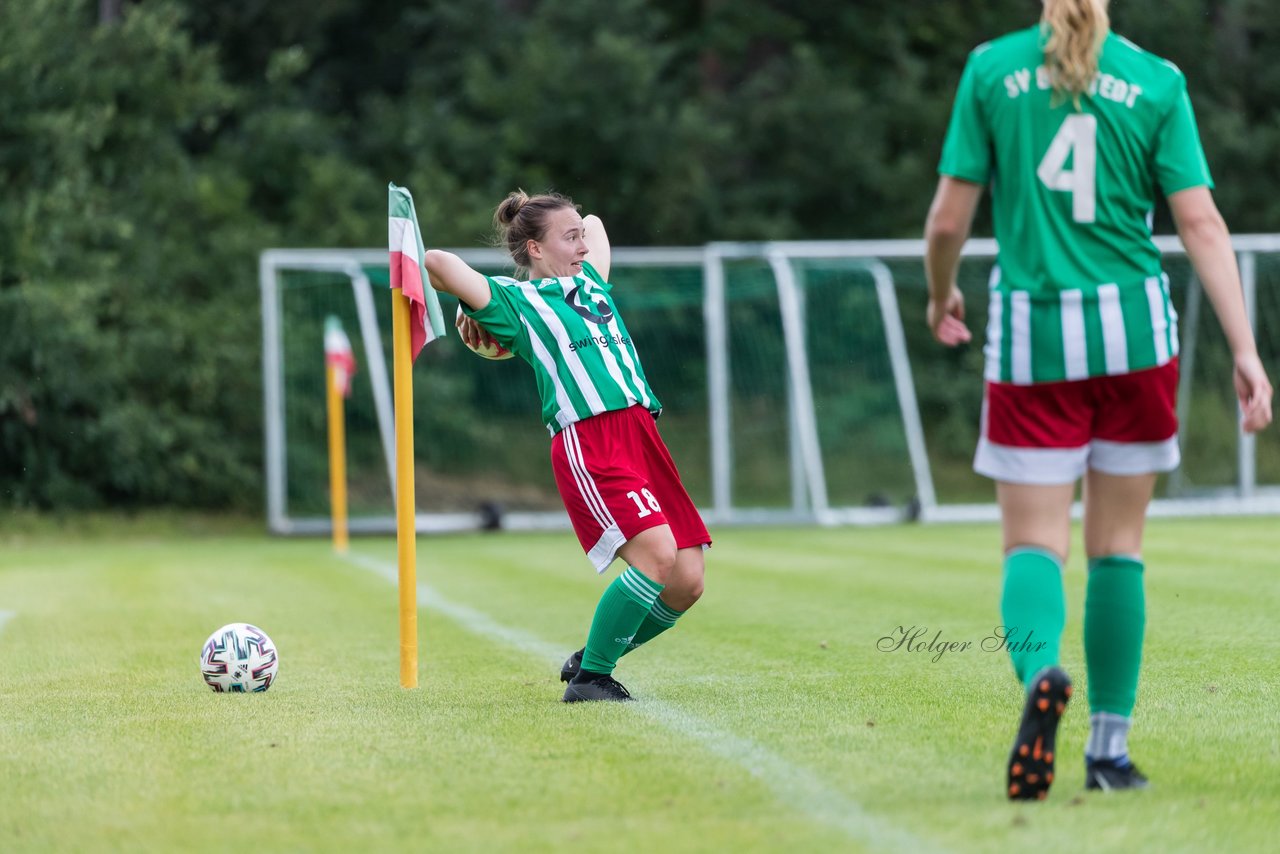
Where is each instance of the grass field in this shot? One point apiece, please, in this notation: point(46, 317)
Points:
point(767, 721)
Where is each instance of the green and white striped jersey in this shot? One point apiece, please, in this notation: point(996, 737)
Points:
point(1079, 291)
point(1078, 333)
point(569, 330)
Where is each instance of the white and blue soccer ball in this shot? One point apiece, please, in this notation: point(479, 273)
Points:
point(239, 658)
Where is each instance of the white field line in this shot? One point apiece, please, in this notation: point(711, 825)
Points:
point(791, 784)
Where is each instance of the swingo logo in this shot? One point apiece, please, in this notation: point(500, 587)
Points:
point(604, 316)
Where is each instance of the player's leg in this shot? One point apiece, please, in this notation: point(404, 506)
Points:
point(1034, 444)
point(681, 592)
point(684, 588)
point(635, 484)
point(1114, 621)
point(654, 565)
point(623, 608)
point(1036, 526)
point(1136, 437)
point(594, 482)
point(1036, 530)
point(685, 585)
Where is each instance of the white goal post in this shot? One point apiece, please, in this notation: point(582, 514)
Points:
point(778, 282)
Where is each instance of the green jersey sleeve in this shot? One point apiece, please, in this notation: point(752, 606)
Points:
point(501, 317)
point(966, 153)
point(1179, 157)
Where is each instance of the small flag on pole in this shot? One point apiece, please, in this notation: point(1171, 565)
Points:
point(338, 355)
point(340, 366)
point(404, 240)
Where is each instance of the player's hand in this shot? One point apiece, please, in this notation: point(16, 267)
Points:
point(1254, 391)
point(946, 319)
point(473, 333)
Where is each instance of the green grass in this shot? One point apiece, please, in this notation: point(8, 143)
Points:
point(768, 720)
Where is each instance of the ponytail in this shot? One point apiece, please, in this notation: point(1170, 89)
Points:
point(1074, 31)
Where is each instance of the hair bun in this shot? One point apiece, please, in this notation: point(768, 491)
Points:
point(511, 206)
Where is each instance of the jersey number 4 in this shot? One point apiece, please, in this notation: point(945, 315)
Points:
point(1077, 139)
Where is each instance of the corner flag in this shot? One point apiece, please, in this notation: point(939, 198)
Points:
point(404, 240)
point(339, 366)
point(338, 355)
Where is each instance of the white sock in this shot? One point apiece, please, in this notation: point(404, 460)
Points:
point(1108, 736)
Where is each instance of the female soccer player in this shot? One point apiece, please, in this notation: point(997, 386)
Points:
point(1075, 128)
point(619, 484)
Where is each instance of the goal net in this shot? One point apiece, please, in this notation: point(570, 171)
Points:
point(799, 381)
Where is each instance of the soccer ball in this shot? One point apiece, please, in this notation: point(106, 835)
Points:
point(494, 352)
point(239, 658)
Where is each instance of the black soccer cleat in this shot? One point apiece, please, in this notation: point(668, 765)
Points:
point(600, 688)
point(1031, 759)
point(572, 665)
point(1106, 776)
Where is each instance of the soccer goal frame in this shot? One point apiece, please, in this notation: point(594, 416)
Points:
point(805, 470)
point(1246, 497)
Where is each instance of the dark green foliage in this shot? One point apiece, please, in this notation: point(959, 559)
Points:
point(127, 354)
point(146, 163)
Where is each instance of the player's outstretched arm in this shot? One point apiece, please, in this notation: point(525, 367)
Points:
point(1208, 244)
point(599, 253)
point(451, 274)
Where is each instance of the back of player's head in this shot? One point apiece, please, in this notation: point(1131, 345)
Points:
point(521, 218)
point(1074, 31)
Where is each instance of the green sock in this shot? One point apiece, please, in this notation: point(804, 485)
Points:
point(1034, 609)
point(1114, 619)
point(660, 618)
point(622, 609)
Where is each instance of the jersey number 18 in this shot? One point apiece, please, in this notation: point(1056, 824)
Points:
point(1078, 139)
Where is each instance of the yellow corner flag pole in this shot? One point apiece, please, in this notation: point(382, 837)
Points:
point(412, 306)
point(337, 460)
point(406, 514)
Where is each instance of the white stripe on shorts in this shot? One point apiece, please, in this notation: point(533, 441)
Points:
point(1041, 466)
point(606, 548)
point(1049, 466)
point(586, 486)
point(611, 538)
point(1128, 458)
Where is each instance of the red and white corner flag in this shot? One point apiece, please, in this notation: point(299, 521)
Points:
point(338, 354)
point(404, 240)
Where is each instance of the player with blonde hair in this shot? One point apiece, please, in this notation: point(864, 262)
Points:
point(1076, 129)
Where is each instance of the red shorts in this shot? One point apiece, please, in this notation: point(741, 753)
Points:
point(1051, 433)
point(617, 479)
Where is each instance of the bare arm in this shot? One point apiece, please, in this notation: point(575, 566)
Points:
point(945, 232)
point(599, 253)
point(1208, 244)
point(451, 274)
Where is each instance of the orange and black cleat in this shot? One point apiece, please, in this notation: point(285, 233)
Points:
point(1031, 760)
